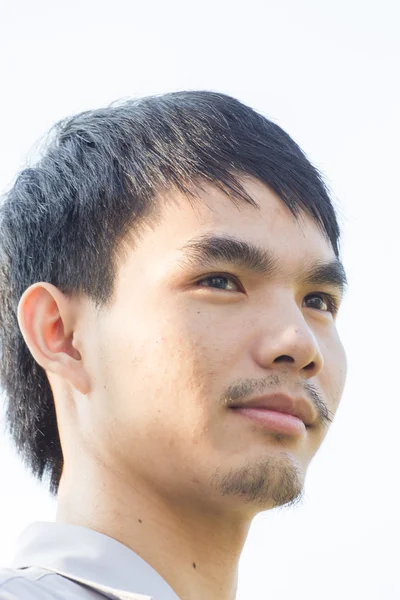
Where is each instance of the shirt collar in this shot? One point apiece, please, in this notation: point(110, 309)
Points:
point(88, 555)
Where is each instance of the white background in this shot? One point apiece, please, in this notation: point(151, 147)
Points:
point(328, 73)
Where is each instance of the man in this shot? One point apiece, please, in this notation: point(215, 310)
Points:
point(170, 285)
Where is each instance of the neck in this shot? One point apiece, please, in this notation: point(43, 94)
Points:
point(195, 551)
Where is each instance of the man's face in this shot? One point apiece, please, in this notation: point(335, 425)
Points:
point(189, 335)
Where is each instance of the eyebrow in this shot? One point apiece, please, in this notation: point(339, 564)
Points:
point(210, 250)
point(330, 273)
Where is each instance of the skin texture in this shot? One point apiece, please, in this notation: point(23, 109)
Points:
point(154, 457)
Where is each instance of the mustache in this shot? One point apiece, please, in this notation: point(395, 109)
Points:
point(245, 388)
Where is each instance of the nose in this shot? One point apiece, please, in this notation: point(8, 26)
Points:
point(287, 342)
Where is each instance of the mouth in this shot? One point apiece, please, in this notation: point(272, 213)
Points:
point(273, 420)
point(279, 413)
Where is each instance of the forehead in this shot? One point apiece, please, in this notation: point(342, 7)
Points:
point(271, 225)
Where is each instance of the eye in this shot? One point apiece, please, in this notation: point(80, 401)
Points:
point(322, 302)
point(221, 282)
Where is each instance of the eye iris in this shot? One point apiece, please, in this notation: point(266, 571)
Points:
point(219, 282)
point(317, 302)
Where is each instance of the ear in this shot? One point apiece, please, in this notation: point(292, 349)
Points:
point(46, 318)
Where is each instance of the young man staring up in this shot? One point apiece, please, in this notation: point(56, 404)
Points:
point(170, 280)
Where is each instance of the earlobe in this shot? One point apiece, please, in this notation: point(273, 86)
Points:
point(46, 319)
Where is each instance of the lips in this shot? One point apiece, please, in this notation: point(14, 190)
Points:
point(282, 403)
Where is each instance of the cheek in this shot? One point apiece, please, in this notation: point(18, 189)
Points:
point(333, 376)
point(168, 362)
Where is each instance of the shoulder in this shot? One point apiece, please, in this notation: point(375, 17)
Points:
point(34, 583)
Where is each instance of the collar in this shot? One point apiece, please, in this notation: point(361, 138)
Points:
point(90, 557)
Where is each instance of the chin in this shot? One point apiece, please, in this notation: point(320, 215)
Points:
point(270, 482)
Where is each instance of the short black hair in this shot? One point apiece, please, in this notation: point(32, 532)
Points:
point(102, 175)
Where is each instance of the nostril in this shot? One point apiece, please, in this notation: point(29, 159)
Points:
point(310, 366)
point(284, 358)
